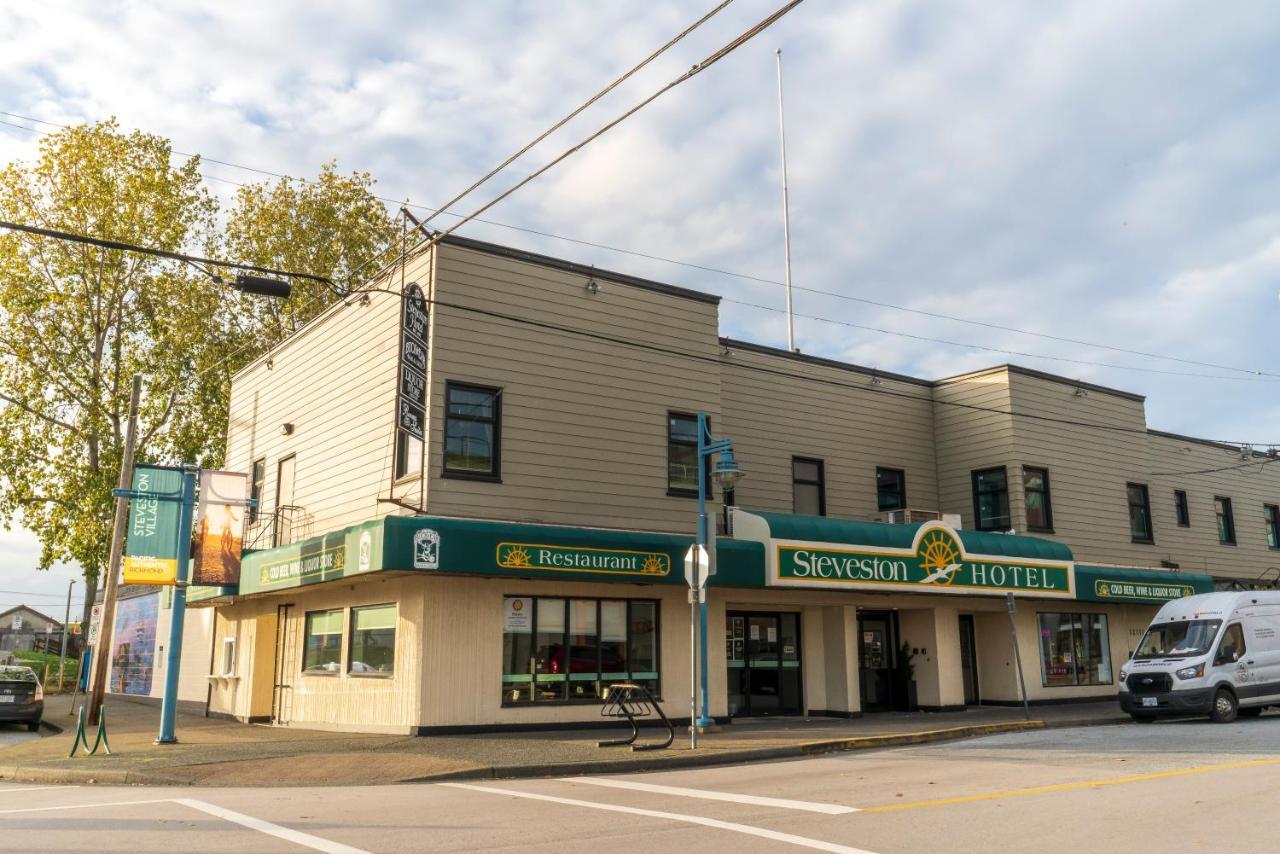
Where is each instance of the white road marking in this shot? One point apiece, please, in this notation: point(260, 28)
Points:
point(802, 841)
point(87, 806)
point(707, 795)
point(288, 834)
point(36, 789)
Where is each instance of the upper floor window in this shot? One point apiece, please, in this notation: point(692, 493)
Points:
point(1139, 513)
point(257, 488)
point(682, 454)
point(1226, 520)
point(808, 487)
point(1271, 513)
point(1035, 489)
point(1181, 508)
point(991, 499)
point(472, 431)
point(891, 489)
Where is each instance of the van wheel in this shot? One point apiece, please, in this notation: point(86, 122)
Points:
point(1143, 719)
point(1225, 707)
point(1251, 712)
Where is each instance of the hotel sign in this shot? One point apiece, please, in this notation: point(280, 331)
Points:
point(526, 556)
point(411, 397)
point(936, 563)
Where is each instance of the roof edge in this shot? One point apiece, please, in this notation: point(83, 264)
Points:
point(822, 361)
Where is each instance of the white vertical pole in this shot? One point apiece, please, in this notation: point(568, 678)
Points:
point(786, 214)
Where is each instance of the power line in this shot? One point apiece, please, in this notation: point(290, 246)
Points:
point(1259, 463)
point(593, 99)
point(989, 349)
point(433, 211)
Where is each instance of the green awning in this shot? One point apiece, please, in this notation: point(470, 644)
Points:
point(1134, 584)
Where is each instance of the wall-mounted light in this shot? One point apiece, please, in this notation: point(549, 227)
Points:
point(592, 287)
point(286, 429)
point(1081, 392)
point(271, 363)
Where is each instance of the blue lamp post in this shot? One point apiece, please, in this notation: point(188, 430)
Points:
point(727, 474)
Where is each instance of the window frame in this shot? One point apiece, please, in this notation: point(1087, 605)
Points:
point(902, 488)
point(495, 474)
point(351, 636)
point(1223, 510)
point(566, 644)
point(974, 476)
point(1272, 524)
point(1218, 660)
point(257, 487)
point(228, 660)
point(1076, 618)
point(820, 483)
point(403, 442)
point(1181, 508)
point(1146, 509)
point(306, 635)
point(677, 492)
point(1046, 496)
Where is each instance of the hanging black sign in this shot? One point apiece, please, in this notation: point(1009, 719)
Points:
point(411, 397)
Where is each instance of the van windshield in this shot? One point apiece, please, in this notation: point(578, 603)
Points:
point(1182, 639)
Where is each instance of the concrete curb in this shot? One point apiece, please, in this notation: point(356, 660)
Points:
point(159, 777)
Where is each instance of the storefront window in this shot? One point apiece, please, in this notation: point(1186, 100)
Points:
point(323, 644)
point(373, 640)
point(1074, 650)
point(573, 649)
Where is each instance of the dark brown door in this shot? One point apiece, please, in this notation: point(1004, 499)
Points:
point(969, 660)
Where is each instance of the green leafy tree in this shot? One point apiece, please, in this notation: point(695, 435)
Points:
point(77, 322)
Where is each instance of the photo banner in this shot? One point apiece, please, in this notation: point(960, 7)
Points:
point(219, 531)
point(151, 542)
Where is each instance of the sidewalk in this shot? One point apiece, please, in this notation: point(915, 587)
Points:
point(214, 752)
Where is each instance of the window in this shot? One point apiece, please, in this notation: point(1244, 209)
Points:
point(322, 651)
point(472, 431)
point(408, 455)
point(257, 488)
point(228, 657)
point(682, 454)
point(808, 487)
point(1074, 650)
point(1139, 513)
point(1226, 520)
point(373, 640)
point(991, 499)
point(891, 489)
point(1035, 490)
point(1271, 513)
point(1181, 508)
point(558, 650)
point(1231, 647)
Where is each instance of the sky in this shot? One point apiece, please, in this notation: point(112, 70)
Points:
point(1096, 171)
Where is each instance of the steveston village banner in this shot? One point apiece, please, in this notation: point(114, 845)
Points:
point(937, 562)
point(220, 529)
point(151, 541)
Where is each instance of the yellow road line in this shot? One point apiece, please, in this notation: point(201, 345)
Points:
point(1064, 787)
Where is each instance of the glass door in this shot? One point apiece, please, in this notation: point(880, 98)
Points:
point(875, 648)
point(763, 656)
point(969, 659)
point(764, 682)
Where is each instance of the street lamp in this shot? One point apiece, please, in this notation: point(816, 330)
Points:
point(727, 474)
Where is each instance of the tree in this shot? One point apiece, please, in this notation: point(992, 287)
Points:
point(77, 322)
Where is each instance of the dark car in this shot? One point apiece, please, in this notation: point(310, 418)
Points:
point(21, 696)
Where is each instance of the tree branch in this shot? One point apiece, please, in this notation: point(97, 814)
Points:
point(49, 419)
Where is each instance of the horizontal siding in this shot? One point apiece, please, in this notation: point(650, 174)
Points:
point(970, 438)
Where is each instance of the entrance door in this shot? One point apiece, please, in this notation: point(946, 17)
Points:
point(287, 666)
point(877, 648)
point(969, 660)
point(763, 653)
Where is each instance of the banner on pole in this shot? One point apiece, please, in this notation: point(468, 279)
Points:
point(220, 529)
point(151, 544)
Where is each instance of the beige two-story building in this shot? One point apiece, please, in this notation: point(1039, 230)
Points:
point(477, 480)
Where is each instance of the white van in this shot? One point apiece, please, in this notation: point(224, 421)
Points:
point(1214, 653)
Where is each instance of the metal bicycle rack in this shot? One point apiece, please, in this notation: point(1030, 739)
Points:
point(631, 701)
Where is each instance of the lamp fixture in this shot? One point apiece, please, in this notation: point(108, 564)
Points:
point(592, 286)
point(286, 429)
point(1081, 392)
point(726, 471)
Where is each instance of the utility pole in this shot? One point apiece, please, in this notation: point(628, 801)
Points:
point(786, 210)
point(169, 702)
point(62, 651)
point(102, 654)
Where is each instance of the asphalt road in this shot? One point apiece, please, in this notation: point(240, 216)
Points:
point(11, 734)
point(1187, 786)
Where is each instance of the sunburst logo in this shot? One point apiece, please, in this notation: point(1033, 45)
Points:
point(939, 556)
point(654, 565)
point(516, 556)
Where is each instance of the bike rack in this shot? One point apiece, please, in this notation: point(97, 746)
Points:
point(631, 701)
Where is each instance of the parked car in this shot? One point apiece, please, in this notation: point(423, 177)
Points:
point(1215, 653)
point(21, 696)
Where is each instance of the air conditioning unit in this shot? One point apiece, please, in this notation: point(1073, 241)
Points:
point(908, 516)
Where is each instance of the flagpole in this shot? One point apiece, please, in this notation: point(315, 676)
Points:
point(786, 210)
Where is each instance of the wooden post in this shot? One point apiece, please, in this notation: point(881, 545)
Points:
point(102, 652)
